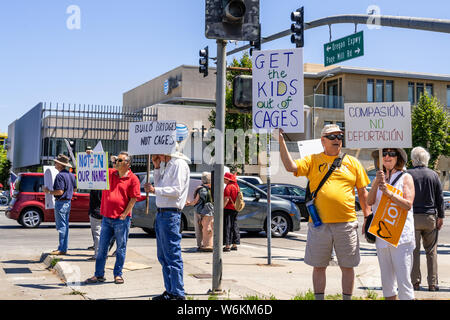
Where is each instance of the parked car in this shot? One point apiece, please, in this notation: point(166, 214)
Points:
point(255, 180)
point(289, 192)
point(446, 195)
point(28, 203)
point(285, 214)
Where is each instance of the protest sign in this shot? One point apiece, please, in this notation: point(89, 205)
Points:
point(389, 219)
point(152, 137)
point(92, 171)
point(50, 173)
point(277, 90)
point(307, 147)
point(378, 125)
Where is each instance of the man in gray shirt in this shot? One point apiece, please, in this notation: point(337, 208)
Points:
point(428, 203)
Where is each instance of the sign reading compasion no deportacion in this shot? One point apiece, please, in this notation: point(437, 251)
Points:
point(378, 125)
point(277, 90)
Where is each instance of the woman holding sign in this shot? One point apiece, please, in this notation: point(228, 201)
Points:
point(393, 220)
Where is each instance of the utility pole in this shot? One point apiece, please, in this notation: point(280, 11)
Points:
point(218, 166)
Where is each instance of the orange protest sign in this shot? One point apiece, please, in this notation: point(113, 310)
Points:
point(389, 219)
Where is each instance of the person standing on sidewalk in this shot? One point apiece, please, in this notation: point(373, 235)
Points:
point(116, 206)
point(171, 190)
point(428, 203)
point(63, 188)
point(204, 214)
point(395, 262)
point(335, 203)
point(231, 233)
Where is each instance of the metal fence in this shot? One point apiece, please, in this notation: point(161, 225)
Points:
point(85, 125)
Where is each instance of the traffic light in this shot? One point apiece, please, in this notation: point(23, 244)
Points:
point(242, 92)
point(297, 28)
point(232, 19)
point(256, 44)
point(203, 61)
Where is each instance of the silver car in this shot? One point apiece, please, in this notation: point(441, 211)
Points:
point(285, 214)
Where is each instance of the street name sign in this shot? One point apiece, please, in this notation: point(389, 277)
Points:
point(343, 49)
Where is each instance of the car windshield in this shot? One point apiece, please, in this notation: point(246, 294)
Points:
point(246, 190)
point(297, 191)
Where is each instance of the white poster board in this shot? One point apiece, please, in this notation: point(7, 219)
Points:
point(307, 147)
point(152, 137)
point(92, 171)
point(378, 125)
point(50, 173)
point(277, 90)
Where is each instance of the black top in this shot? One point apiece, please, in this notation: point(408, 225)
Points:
point(95, 200)
point(428, 189)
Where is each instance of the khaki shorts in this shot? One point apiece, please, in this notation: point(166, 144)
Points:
point(343, 236)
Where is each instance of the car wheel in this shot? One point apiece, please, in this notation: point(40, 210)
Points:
point(280, 225)
point(3, 201)
point(30, 218)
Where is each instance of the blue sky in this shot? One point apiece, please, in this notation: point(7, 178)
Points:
point(122, 44)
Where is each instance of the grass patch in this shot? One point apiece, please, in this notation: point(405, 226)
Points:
point(54, 262)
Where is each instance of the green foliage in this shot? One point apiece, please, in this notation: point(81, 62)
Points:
point(431, 127)
point(5, 166)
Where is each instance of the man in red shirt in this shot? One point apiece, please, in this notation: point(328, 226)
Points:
point(231, 228)
point(116, 206)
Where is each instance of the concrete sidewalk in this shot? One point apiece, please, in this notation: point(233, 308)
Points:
point(245, 274)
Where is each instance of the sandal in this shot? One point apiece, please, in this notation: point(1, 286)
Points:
point(118, 280)
point(95, 279)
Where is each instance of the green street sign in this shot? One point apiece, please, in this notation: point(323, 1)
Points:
point(343, 49)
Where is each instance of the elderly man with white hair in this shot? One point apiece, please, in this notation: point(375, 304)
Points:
point(428, 209)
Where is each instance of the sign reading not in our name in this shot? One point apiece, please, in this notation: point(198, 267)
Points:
point(378, 125)
point(152, 137)
point(346, 48)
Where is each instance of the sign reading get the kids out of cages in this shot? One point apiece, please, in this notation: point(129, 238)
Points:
point(277, 90)
point(378, 125)
point(92, 171)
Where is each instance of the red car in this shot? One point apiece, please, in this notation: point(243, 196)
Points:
point(28, 203)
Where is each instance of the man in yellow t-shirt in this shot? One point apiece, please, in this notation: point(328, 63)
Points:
point(335, 203)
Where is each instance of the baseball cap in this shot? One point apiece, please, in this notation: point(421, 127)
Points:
point(330, 128)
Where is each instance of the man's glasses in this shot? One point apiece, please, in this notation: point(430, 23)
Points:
point(118, 160)
point(390, 153)
point(335, 136)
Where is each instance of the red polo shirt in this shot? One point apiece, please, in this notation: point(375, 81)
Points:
point(121, 190)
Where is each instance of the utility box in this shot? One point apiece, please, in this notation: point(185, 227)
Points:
point(232, 20)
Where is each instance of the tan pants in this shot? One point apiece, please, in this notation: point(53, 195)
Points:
point(425, 229)
point(204, 230)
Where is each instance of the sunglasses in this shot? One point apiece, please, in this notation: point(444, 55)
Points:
point(334, 136)
point(390, 153)
point(119, 160)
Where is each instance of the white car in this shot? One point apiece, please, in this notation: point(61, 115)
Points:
point(446, 200)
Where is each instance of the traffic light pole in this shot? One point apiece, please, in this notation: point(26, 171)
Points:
point(218, 166)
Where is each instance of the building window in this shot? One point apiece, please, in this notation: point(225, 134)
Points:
point(326, 122)
point(429, 88)
point(389, 90)
point(411, 96)
point(419, 90)
point(370, 95)
point(448, 96)
point(341, 125)
point(380, 91)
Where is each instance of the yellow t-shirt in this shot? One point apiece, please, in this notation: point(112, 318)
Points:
point(336, 199)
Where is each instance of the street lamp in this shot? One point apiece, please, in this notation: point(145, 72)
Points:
point(314, 102)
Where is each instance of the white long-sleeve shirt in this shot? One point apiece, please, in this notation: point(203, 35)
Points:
point(172, 186)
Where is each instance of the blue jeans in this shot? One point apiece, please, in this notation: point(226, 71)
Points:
point(62, 213)
point(112, 228)
point(168, 242)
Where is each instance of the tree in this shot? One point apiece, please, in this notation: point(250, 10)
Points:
point(235, 120)
point(431, 128)
point(5, 166)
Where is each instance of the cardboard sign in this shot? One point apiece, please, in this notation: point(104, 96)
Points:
point(50, 173)
point(152, 137)
point(307, 147)
point(277, 90)
point(389, 219)
point(378, 125)
point(92, 171)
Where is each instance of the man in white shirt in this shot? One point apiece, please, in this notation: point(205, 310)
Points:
point(171, 190)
